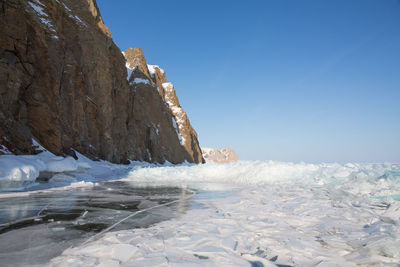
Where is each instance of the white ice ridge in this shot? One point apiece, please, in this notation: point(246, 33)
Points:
point(279, 213)
point(177, 111)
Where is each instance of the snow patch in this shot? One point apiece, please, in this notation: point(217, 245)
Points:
point(17, 170)
point(20, 170)
point(37, 145)
point(152, 69)
point(177, 131)
point(168, 86)
point(37, 6)
point(140, 80)
point(177, 111)
point(71, 15)
point(4, 150)
point(136, 80)
point(62, 165)
point(129, 71)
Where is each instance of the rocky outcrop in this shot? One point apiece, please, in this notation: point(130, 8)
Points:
point(219, 155)
point(64, 83)
point(152, 78)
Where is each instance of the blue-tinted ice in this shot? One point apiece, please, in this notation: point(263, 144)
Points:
point(37, 226)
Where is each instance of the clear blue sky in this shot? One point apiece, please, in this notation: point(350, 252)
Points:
point(290, 80)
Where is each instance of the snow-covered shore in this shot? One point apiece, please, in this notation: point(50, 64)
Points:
point(20, 172)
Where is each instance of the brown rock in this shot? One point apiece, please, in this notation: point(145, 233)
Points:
point(135, 59)
point(63, 82)
point(219, 155)
point(156, 82)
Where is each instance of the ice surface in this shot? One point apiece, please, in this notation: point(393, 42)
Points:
point(246, 212)
point(269, 213)
point(37, 227)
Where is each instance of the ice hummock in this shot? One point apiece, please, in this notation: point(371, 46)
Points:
point(17, 171)
point(21, 172)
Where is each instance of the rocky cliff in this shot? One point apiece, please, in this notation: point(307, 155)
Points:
point(153, 76)
point(63, 82)
point(152, 80)
point(219, 155)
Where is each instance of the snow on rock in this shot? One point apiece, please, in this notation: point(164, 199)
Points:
point(137, 80)
point(37, 145)
point(140, 80)
point(129, 70)
point(169, 87)
point(4, 150)
point(152, 69)
point(73, 16)
point(38, 7)
point(177, 131)
point(187, 136)
point(177, 112)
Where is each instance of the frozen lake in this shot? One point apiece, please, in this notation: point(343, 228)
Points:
point(248, 213)
point(37, 226)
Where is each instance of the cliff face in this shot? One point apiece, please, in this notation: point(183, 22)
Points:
point(63, 82)
point(219, 155)
point(153, 76)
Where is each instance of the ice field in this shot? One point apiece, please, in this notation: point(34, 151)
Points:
point(248, 213)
